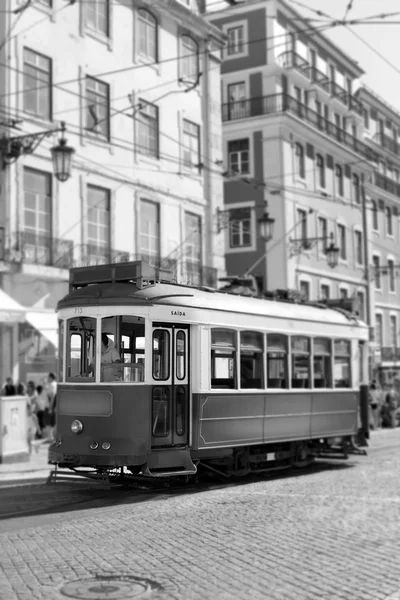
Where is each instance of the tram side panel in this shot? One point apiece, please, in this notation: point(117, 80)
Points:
point(115, 415)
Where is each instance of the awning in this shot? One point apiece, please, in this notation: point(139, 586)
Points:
point(10, 310)
point(45, 321)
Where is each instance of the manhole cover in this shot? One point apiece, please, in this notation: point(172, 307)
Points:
point(108, 588)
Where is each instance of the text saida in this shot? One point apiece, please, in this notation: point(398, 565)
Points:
point(178, 313)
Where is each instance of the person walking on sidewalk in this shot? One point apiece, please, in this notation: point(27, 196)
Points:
point(391, 401)
point(374, 405)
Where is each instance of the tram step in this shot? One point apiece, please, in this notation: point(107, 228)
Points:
point(169, 463)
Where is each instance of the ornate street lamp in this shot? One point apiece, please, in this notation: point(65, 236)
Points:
point(266, 227)
point(62, 158)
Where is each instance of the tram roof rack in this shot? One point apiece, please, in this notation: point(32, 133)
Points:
point(138, 272)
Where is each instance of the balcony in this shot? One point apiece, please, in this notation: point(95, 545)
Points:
point(319, 78)
point(283, 103)
point(390, 353)
point(291, 60)
point(339, 92)
point(386, 142)
point(386, 184)
point(32, 248)
point(355, 105)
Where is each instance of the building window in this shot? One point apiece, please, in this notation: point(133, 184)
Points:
point(150, 232)
point(189, 58)
point(378, 330)
point(98, 219)
point(323, 233)
point(37, 237)
point(147, 26)
point(37, 84)
point(339, 180)
point(299, 161)
point(235, 40)
point(343, 294)
point(391, 274)
point(325, 292)
point(356, 189)
point(191, 145)
point(236, 93)
point(238, 157)
point(97, 16)
point(377, 271)
point(375, 221)
point(366, 118)
point(193, 249)
point(389, 222)
point(98, 107)
point(393, 331)
point(240, 228)
point(148, 129)
point(320, 171)
point(359, 247)
point(342, 242)
point(360, 302)
point(305, 290)
point(302, 226)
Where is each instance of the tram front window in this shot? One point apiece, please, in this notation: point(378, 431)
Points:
point(122, 349)
point(81, 349)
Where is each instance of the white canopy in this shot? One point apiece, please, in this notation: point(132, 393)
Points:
point(45, 321)
point(10, 310)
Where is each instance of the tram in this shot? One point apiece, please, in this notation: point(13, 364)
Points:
point(160, 379)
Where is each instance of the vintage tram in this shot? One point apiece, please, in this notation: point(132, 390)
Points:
point(157, 378)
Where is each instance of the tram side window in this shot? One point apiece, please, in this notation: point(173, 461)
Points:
point(322, 363)
point(223, 359)
point(300, 362)
point(251, 360)
point(61, 351)
point(342, 366)
point(161, 354)
point(122, 349)
point(277, 361)
point(81, 349)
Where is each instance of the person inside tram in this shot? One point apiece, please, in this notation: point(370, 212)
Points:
point(109, 356)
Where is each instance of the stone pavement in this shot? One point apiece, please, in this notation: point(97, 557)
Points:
point(35, 470)
point(331, 532)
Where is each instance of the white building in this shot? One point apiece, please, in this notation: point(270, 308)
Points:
point(138, 86)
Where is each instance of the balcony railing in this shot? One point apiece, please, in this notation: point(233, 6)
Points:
point(390, 353)
point(91, 255)
point(283, 103)
point(291, 60)
point(30, 247)
point(355, 105)
point(2, 244)
point(386, 142)
point(320, 79)
point(196, 274)
point(339, 92)
point(386, 184)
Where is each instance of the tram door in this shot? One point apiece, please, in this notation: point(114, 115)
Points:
point(170, 385)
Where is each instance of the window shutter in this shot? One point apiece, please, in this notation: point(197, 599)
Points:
point(374, 114)
point(310, 151)
point(347, 171)
point(381, 205)
point(329, 161)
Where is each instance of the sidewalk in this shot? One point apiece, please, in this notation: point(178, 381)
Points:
point(36, 470)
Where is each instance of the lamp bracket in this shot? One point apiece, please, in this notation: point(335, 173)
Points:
point(14, 147)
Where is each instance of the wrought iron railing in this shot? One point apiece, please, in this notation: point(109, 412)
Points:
point(284, 103)
point(386, 184)
point(386, 142)
point(291, 60)
point(320, 79)
point(196, 274)
point(339, 92)
point(33, 248)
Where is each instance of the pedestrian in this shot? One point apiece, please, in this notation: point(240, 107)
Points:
point(391, 402)
point(32, 427)
point(8, 388)
point(374, 405)
point(42, 409)
point(20, 389)
point(52, 396)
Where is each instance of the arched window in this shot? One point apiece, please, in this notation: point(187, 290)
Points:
point(189, 58)
point(147, 34)
point(375, 221)
point(389, 222)
point(339, 180)
point(320, 171)
point(356, 189)
point(299, 158)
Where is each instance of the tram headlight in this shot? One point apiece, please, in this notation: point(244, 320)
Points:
point(76, 426)
point(106, 445)
point(94, 445)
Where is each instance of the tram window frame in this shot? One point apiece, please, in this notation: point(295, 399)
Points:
point(167, 360)
point(322, 362)
point(297, 357)
point(76, 326)
point(339, 359)
point(251, 344)
point(164, 402)
point(125, 370)
point(180, 365)
point(277, 357)
point(222, 348)
point(61, 338)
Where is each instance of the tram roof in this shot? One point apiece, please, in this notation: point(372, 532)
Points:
point(128, 294)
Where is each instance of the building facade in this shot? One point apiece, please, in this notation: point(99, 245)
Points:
point(293, 145)
point(381, 133)
point(138, 86)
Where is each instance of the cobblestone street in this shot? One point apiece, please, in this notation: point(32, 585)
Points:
point(331, 532)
